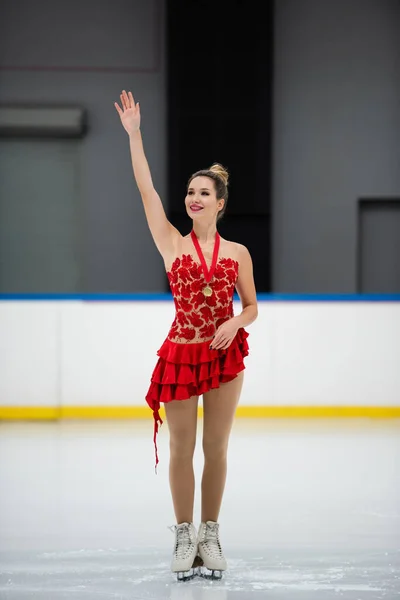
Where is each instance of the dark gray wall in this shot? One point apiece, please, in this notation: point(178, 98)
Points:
point(336, 127)
point(70, 52)
point(336, 134)
point(379, 243)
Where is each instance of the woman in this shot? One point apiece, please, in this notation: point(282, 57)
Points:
point(204, 350)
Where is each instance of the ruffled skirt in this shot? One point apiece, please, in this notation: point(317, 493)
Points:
point(186, 370)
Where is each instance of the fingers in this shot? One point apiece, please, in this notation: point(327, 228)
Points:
point(216, 342)
point(124, 100)
point(127, 101)
point(226, 345)
point(131, 99)
point(220, 344)
point(213, 344)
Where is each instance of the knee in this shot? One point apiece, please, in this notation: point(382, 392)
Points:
point(214, 449)
point(182, 447)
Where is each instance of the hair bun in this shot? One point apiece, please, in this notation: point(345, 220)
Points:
point(221, 172)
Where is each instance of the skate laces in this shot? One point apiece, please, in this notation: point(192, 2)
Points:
point(183, 543)
point(211, 538)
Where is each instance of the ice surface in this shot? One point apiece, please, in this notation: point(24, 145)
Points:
point(311, 511)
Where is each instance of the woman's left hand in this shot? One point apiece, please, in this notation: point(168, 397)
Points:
point(224, 335)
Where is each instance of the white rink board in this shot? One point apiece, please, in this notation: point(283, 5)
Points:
point(80, 353)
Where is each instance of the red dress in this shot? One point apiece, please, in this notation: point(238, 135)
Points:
point(186, 366)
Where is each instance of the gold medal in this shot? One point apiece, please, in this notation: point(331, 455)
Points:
point(207, 291)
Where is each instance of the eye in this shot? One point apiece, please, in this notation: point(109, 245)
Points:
point(205, 193)
point(190, 193)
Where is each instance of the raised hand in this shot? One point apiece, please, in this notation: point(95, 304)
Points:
point(129, 113)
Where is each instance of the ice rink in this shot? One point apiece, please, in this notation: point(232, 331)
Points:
point(311, 511)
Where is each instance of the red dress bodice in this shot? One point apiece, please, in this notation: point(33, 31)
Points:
point(198, 316)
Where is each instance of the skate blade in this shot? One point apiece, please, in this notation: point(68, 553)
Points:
point(214, 574)
point(193, 572)
point(186, 575)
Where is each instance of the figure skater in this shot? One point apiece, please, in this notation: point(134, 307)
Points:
point(204, 349)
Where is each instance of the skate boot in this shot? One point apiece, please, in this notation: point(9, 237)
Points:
point(210, 551)
point(185, 551)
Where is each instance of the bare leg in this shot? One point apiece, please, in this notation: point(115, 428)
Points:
point(182, 425)
point(219, 412)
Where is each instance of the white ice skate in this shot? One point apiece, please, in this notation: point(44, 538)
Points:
point(185, 551)
point(210, 551)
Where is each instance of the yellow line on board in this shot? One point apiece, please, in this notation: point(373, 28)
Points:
point(143, 412)
point(318, 411)
point(106, 412)
point(34, 413)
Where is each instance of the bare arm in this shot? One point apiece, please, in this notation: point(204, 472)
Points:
point(164, 233)
point(246, 289)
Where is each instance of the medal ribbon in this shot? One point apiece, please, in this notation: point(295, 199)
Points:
point(207, 273)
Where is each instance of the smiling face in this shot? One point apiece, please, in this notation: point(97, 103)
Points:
point(201, 200)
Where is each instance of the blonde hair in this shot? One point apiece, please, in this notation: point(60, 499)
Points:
point(220, 177)
point(220, 171)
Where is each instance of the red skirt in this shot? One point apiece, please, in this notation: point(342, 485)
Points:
point(186, 370)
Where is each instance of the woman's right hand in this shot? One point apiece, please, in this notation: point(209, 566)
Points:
point(130, 112)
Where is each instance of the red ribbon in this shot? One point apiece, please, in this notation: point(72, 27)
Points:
point(207, 273)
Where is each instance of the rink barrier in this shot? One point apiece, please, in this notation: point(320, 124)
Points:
point(311, 355)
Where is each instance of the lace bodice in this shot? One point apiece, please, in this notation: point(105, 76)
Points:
point(198, 316)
